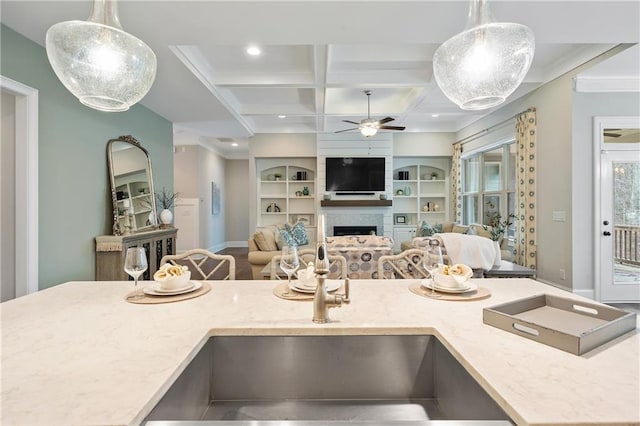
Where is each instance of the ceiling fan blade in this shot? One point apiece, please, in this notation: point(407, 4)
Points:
point(612, 135)
point(392, 127)
point(346, 130)
point(351, 122)
point(386, 120)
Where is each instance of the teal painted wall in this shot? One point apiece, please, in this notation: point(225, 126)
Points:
point(74, 194)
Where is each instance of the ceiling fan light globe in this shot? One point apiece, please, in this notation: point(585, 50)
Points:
point(105, 67)
point(480, 67)
point(368, 131)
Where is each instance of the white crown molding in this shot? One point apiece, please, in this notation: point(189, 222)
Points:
point(606, 84)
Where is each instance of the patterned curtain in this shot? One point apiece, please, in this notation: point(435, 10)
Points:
point(525, 252)
point(456, 183)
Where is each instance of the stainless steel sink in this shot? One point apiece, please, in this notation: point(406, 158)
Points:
point(298, 380)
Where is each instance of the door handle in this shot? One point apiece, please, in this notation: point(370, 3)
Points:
point(606, 233)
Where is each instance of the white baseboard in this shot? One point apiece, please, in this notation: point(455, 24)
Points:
point(237, 243)
point(217, 247)
point(589, 294)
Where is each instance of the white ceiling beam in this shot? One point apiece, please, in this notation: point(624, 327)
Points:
point(193, 59)
point(321, 60)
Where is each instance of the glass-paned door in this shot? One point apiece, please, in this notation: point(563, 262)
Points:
point(620, 227)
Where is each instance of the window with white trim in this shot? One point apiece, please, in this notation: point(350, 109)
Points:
point(489, 184)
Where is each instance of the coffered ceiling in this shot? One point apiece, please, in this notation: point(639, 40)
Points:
point(318, 57)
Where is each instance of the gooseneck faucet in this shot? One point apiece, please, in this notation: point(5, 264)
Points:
point(322, 300)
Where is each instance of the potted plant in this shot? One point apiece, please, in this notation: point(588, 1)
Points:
point(434, 175)
point(165, 200)
point(497, 224)
point(277, 176)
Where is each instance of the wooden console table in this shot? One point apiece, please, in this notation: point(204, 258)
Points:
point(111, 251)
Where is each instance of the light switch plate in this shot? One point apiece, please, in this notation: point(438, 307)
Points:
point(559, 216)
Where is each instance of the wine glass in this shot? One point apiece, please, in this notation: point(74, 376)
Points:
point(289, 262)
point(431, 261)
point(135, 263)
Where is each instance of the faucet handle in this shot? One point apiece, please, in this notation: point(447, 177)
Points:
point(346, 299)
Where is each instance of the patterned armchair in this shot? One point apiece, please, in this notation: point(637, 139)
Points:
point(361, 253)
point(404, 265)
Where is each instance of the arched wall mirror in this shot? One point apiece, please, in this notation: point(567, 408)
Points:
point(132, 190)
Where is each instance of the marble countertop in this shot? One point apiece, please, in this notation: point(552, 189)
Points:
point(78, 353)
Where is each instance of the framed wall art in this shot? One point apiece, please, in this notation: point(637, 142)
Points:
point(215, 198)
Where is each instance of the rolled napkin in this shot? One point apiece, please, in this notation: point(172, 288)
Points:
point(171, 277)
point(307, 276)
point(453, 276)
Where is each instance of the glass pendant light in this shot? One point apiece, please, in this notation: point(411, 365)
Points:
point(481, 66)
point(98, 62)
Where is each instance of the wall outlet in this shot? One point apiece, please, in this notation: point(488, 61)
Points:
point(563, 276)
point(559, 216)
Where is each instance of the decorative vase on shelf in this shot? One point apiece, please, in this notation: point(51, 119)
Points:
point(407, 190)
point(166, 217)
point(305, 191)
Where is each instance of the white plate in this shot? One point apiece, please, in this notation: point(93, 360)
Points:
point(428, 283)
point(332, 285)
point(155, 290)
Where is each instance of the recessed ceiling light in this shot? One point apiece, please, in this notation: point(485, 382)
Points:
point(282, 116)
point(253, 50)
point(435, 115)
point(234, 144)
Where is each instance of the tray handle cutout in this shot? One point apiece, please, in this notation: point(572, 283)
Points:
point(525, 329)
point(585, 309)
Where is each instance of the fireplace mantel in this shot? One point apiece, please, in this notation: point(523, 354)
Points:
point(355, 203)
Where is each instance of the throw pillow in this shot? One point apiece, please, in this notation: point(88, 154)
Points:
point(298, 233)
point(483, 232)
point(424, 229)
point(472, 231)
point(288, 238)
point(265, 240)
point(294, 235)
point(459, 229)
point(280, 242)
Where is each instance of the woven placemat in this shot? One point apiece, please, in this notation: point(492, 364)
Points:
point(283, 291)
point(480, 293)
point(149, 299)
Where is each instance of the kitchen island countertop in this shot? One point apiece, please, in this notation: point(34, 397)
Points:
point(78, 353)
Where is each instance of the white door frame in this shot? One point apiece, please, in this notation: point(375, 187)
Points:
point(599, 124)
point(26, 182)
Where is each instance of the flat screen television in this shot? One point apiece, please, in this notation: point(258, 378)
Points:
point(355, 174)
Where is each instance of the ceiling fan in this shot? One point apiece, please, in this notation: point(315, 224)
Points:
point(369, 126)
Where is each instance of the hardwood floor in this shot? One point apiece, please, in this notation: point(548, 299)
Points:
point(243, 269)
